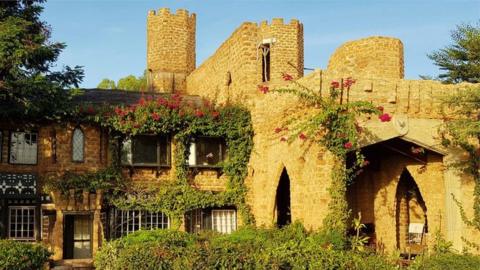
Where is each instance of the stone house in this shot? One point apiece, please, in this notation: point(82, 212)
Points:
point(402, 194)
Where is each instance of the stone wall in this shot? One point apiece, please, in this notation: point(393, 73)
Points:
point(234, 71)
point(377, 65)
point(372, 57)
point(170, 49)
point(95, 154)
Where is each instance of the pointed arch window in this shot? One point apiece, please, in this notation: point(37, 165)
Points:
point(78, 143)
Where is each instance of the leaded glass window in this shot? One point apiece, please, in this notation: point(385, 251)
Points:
point(219, 220)
point(128, 221)
point(78, 141)
point(23, 148)
point(21, 222)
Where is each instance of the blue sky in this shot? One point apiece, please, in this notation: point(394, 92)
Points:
point(108, 37)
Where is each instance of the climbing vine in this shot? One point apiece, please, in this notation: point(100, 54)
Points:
point(332, 123)
point(462, 129)
point(183, 120)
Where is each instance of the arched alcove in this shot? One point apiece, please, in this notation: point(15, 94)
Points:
point(410, 209)
point(282, 200)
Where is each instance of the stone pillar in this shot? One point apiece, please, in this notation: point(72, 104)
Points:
point(58, 236)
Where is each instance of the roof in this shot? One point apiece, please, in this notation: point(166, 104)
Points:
point(121, 97)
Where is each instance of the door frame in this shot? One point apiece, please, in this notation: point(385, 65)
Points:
point(77, 213)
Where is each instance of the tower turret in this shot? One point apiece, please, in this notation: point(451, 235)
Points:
point(170, 49)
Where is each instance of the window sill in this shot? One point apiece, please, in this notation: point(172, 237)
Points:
point(166, 166)
point(205, 166)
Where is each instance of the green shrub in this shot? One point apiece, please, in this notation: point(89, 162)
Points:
point(447, 261)
point(248, 248)
point(22, 256)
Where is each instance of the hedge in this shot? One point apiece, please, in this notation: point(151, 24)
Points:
point(16, 255)
point(248, 248)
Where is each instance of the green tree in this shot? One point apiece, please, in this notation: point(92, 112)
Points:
point(130, 82)
point(107, 84)
point(461, 60)
point(28, 86)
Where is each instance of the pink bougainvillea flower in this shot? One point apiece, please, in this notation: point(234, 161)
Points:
point(199, 113)
point(278, 130)
point(302, 136)
point(283, 139)
point(365, 163)
point(380, 108)
point(141, 101)
point(385, 117)
point(348, 145)
point(263, 88)
point(287, 77)
point(215, 114)
point(136, 125)
point(161, 101)
point(155, 116)
point(335, 84)
point(348, 82)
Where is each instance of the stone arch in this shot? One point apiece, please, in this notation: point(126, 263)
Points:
point(282, 204)
point(410, 207)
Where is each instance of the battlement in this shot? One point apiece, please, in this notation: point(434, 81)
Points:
point(279, 21)
point(170, 49)
point(165, 12)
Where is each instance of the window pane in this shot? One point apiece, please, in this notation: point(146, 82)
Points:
point(22, 222)
point(145, 149)
point(194, 221)
point(209, 151)
point(224, 221)
point(23, 148)
point(163, 150)
point(128, 221)
point(77, 145)
point(126, 151)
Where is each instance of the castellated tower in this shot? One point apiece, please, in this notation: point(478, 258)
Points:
point(170, 49)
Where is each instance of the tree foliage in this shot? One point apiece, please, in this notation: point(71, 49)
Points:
point(28, 85)
point(460, 60)
point(130, 82)
point(463, 130)
point(107, 84)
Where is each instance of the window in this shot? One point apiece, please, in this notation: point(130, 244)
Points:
point(219, 220)
point(21, 221)
point(78, 141)
point(23, 148)
point(128, 221)
point(146, 150)
point(265, 62)
point(205, 151)
point(1, 144)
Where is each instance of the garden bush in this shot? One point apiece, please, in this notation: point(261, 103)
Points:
point(248, 248)
point(16, 255)
point(289, 248)
point(447, 261)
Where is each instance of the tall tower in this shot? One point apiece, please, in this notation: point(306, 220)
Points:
point(170, 49)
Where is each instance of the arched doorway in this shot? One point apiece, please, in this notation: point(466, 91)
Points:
point(282, 201)
point(411, 213)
